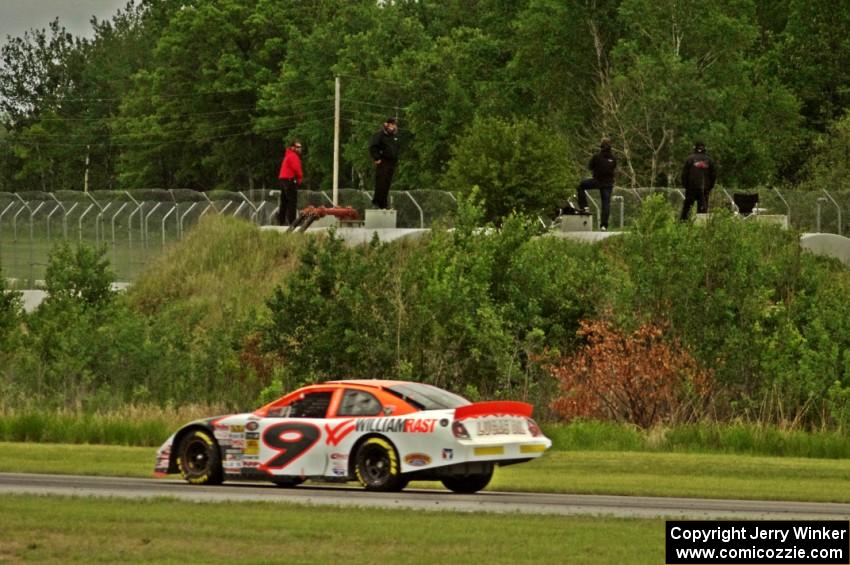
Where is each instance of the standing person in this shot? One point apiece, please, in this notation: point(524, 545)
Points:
point(603, 166)
point(698, 176)
point(290, 178)
point(383, 148)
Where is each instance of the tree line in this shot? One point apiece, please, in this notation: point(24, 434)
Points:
point(509, 96)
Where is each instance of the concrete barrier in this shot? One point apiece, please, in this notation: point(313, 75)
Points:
point(828, 244)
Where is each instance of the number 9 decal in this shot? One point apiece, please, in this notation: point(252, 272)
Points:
point(291, 440)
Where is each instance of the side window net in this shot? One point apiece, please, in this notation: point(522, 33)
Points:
point(359, 403)
point(312, 405)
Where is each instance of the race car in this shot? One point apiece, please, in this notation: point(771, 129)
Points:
point(382, 433)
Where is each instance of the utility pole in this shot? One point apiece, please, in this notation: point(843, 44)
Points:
point(336, 144)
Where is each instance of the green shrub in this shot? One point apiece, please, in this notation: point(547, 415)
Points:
point(519, 166)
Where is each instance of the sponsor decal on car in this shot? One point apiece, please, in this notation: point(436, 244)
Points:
point(252, 425)
point(339, 472)
point(238, 428)
point(403, 425)
point(237, 443)
point(338, 432)
point(290, 440)
point(252, 435)
point(339, 456)
point(448, 454)
point(417, 459)
point(252, 447)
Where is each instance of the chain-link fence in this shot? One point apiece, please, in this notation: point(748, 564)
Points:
point(136, 225)
point(807, 211)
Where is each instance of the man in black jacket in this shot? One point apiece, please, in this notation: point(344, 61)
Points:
point(603, 165)
point(698, 177)
point(383, 148)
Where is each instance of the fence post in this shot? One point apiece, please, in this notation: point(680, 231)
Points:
point(817, 215)
point(25, 206)
point(112, 222)
point(838, 208)
point(182, 216)
point(165, 217)
point(64, 217)
point(50, 215)
point(80, 223)
point(145, 225)
point(32, 237)
point(622, 210)
point(421, 213)
point(96, 218)
point(130, 219)
point(787, 207)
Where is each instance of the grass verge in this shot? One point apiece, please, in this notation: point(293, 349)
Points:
point(150, 426)
point(621, 473)
point(86, 529)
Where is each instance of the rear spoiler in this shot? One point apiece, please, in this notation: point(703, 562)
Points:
point(494, 408)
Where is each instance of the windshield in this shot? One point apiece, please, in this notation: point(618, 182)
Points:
point(427, 397)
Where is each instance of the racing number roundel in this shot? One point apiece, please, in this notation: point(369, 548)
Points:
point(291, 440)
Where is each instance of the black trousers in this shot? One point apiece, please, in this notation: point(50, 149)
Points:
point(383, 178)
point(604, 192)
point(695, 195)
point(288, 202)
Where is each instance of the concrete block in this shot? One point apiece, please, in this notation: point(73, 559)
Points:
point(380, 219)
point(781, 219)
point(578, 222)
point(326, 222)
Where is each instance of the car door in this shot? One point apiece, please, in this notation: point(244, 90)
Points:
point(290, 437)
point(341, 427)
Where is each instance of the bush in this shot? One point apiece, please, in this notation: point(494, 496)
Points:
point(518, 165)
point(640, 379)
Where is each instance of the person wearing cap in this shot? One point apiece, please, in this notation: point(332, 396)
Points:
point(603, 166)
point(290, 177)
point(698, 177)
point(383, 148)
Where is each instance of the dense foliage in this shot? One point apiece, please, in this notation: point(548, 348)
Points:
point(667, 323)
point(203, 95)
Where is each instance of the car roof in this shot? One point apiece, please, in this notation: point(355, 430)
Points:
point(377, 383)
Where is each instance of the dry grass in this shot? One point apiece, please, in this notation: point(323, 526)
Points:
point(224, 266)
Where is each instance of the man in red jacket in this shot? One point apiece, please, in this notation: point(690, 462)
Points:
point(290, 178)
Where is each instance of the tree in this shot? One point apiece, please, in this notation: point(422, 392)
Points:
point(681, 72)
point(517, 165)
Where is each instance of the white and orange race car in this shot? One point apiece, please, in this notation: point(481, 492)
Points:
point(382, 433)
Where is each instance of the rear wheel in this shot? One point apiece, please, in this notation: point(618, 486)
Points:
point(468, 484)
point(377, 467)
point(199, 459)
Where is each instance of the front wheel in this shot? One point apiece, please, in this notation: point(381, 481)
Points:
point(468, 484)
point(377, 467)
point(199, 459)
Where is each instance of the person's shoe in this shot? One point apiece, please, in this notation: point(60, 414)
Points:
point(604, 228)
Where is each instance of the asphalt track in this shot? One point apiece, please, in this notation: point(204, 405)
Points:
point(421, 499)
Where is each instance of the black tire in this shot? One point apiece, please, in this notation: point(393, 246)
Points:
point(377, 466)
point(287, 482)
point(199, 459)
point(467, 484)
